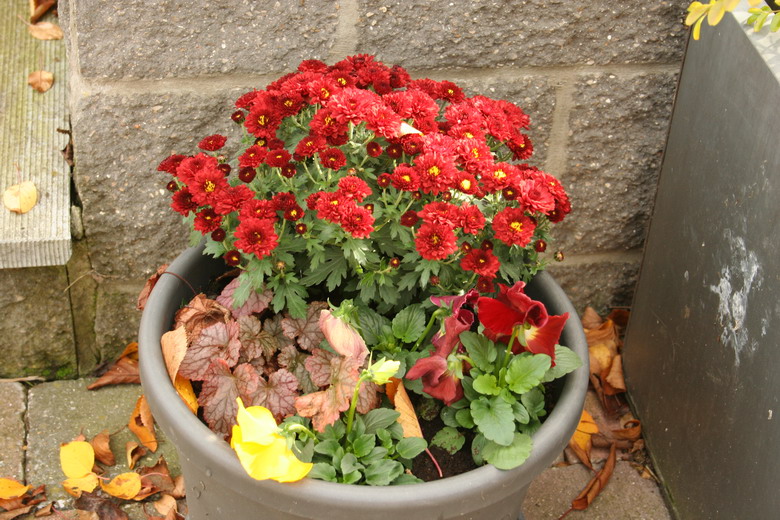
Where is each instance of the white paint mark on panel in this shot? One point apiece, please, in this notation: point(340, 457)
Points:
point(737, 279)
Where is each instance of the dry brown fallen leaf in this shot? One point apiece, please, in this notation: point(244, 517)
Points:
point(596, 484)
point(103, 453)
point(45, 31)
point(174, 348)
point(21, 198)
point(40, 80)
point(38, 8)
point(148, 286)
point(142, 424)
point(581, 442)
point(134, 452)
point(123, 370)
point(403, 405)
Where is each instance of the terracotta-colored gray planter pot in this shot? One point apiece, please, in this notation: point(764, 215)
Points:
point(218, 487)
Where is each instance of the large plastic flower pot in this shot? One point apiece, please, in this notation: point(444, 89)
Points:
point(219, 488)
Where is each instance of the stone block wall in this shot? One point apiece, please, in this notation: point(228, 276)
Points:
point(151, 79)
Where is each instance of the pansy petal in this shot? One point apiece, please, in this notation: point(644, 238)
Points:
point(256, 422)
point(498, 317)
point(542, 340)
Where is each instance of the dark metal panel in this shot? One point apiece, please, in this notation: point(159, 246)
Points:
point(702, 351)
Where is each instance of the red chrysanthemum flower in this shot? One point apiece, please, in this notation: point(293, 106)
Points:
point(521, 147)
point(191, 166)
point(212, 143)
point(466, 183)
point(410, 218)
point(405, 178)
point(301, 229)
point(232, 258)
point(252, 157)
point(263, 119)
point(332, 158)
point(207, 220)
point(435, 241)
point(277, 158)
point(412, 144)
point(354, 187)
point(172, 186)
point(484, 263)
point(232, 199)
point(218, 235)
point(374, 149)
point(534, 196)
point(474, 154)
point(440, 213)
point(323, 123)
point(238, 116)
point(311, 200)
point(171, 163)
point(383, 120)
point(310, 145)
point(513, 227)
point(294, 213)
point(262, 209)
point(284, 200)
point(399, 78)
point(394, 150)
point(485, 285)
point(351, 105)
point(330, 205)
point(384, 180)
point(208, 186)
point(437, 172)
point(449, 91)
point(356, 220)
point(256, 236)
point(289, 170)
point(247, 174)
point(182, 202)
point(471, 219)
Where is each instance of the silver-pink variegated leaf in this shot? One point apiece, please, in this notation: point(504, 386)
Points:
point(219, 341)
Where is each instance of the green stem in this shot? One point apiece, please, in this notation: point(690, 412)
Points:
point(353, 405)
point(508, 351)
point(428, 327)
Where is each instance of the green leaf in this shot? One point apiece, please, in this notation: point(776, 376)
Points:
point(405, 479)
point(533, 401)
point(323, 471)
point(480, 349)
point(244, 289)
point(477, 449)
point(363, 445)
point(409, 324)
point(382, 472)
point(520, 413)
point(352, 477)
point(566, 360)
point(486, 384)
point(511, 456)
point(468, 389)
point(379, 419)
point(449, 439)
point(775, 25)
point(464, 418)
point(376, 454)
point(447, 415)
point(328, 447)
point(494, 418)
point(215, 249)
point(371, 324)
point(349, 463)
point(526, 371)
point(333, 269)
point(410, 447)
point(195, 237)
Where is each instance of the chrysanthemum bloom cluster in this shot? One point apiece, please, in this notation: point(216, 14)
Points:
point(356, 171)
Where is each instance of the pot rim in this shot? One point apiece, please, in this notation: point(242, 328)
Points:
point(217, 456)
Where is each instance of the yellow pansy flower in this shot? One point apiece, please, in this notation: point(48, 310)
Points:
point(261, 449)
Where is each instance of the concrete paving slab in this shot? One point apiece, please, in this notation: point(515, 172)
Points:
point(60, 410)
point(627, 496)
point(14, 403)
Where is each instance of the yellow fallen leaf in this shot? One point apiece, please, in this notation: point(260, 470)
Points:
point(76, 486)
point(581, 441)
point(142, 424)
point(10, 488)
point(40, 80)
point(77, 459)
point(125, 486)
point(184, 388)
point(45, 31)
point(403, 405)
point(600, 358)
point(20, 198)
point(174, 347)
point(165, 504)
point(134, 452)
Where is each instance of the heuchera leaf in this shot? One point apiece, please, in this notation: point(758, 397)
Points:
point(255, 342)
point(306, 330)
point(200, 313)
point(325, 406)
point(368, 397)
point(318, 365)
point(278, 393)
point(255, 303)
point(247, 381)
point(294, 360)
point(273, 326)
point(219, 341)
point(219, 392)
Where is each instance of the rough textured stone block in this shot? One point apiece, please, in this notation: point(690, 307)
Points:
point(59, 411)
point(420, 34)
point(135, 39)
point(600, 284)
point(618, 128)
point(116, 318)
point(535, 94)
point(12, 430)
point(36, 332)
point(121, 140)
